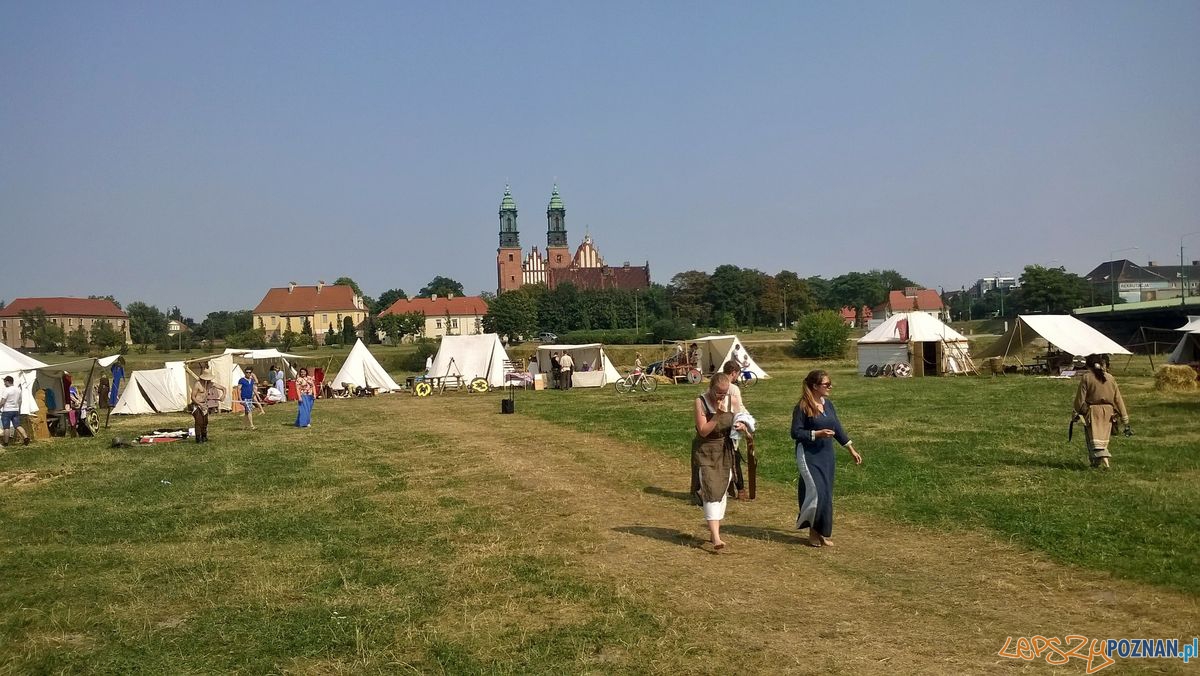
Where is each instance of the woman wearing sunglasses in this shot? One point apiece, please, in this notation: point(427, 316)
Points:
point(814, 427)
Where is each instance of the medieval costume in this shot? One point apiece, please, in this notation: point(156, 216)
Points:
point(712, 463)
point(1099, 403)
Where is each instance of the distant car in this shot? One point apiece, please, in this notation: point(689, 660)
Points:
point(547, 337)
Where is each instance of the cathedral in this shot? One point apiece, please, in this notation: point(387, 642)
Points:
point(586, 269)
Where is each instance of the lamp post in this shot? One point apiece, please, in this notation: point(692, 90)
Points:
point(1183, 270)
point(1112, 280)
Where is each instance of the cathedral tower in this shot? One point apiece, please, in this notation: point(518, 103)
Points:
point(508, 256)
point(557, 255)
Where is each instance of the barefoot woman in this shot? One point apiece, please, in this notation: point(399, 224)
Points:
point(814, 427)
point(712, 454)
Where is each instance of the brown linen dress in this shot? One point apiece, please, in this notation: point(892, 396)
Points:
point(712, 457)
point(1101, 405)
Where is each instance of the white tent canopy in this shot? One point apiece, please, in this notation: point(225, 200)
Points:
point(918, 339)
point(600, 370)
point(222, 368)
point(162, 390)
point(716, 350)
point(263, 360)
point(49, 377)
point(471, 357)
point(362, 370)
point(23, 370)
point(1187, 350)
point(1064, 332)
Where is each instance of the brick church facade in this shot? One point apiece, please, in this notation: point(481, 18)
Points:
point(585, 269)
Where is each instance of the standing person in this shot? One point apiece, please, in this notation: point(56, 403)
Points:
point(272, 375)
point(203, 392)
point(737, 407)
point(247, 395)
point(555, 367)
point(1099, 403)
point(307, 390)
point(814, 426)
point(712, 455)
point(10, 411)
point(278, 381)
point(567, 363)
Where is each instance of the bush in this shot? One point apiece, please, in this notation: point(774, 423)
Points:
point(820, 335)
point(607, 337)
point(671, 329)
point(426, 347)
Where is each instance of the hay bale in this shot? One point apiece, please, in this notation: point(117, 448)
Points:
point(1175, 378)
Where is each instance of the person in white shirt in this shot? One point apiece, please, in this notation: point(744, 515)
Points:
point(10, 411)
point(567, 364)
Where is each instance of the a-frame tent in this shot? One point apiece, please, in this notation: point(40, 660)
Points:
point(23, 370)
point(716, 350)
point(361, 369)
point(1064, 332)
point(470, 357)
point(1187, 351)
point(600, 371)
point(162, 390)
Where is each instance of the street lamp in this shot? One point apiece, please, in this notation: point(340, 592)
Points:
point(1183, 270)
point(1112, 280)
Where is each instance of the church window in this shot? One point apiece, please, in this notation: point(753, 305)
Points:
point(510, 258)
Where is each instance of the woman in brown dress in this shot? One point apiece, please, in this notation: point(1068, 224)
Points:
point(712, 455)
point(1099, 404)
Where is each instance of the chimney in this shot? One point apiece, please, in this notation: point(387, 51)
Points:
point(291, 287)
point(433, 297)
point(450, 295)
point(1150, 264)
point(320, 285)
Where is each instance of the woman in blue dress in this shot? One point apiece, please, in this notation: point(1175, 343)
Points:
point(814, 427)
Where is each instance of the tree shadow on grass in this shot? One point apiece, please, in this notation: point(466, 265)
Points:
point(765, 534)
point(662, 492)
point(665, 534)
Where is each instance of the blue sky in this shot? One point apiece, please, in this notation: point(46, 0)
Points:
point(195, 154)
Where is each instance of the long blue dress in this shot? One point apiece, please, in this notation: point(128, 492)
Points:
point(815, 460)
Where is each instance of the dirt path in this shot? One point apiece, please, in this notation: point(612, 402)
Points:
point(885, 599)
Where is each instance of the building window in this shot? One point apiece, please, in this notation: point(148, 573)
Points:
point(438, 324)
point(454, 323)
point(325, 319)
point(510, 257)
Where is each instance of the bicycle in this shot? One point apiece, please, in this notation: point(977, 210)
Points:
point(746, 379)
point(636, 379)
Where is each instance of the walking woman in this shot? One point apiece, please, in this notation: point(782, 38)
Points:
point(1099, 403)
point(814, 427)
point(307, 390)
point(712, 455)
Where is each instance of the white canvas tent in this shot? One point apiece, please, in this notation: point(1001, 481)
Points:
point(1064, 332)
point(915, 338)
point(49, 377)
point(262, 360)
point(471, 357)
point(222, 368)
point(162, 390)
point(716, 350)
point(362, 370)
point(1188, 349)
point(600, 371)
point(23, 370)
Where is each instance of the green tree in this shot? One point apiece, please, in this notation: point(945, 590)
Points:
point(306, 328)
point(347, 331)
point(821, 335)
point(370, 335)
point(105, 335)
point(146, 323)
point(442, 287)
point(856, 289)
point(346, 281)
point(1049, 291)
point(797, 296)
point(288, 339)
point(331, 337)
point(32, 321)
point(891, 280)
point(387, 298)
point(397, 326)
point(108, 298)
point(689, 294)
point(219, 324)
point(250, 339)
point(513, 314)
point(77, 341)
point(175, 313)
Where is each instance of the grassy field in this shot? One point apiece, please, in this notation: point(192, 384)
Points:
point(434, 535)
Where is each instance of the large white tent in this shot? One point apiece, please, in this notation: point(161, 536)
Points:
point(1064, 332)
point(917, 339)
point(716, 350)
point(162, 390)
point(362, 370)
point(1187, 351)
point(471, 357)
point(600, 370)
point(23, 370)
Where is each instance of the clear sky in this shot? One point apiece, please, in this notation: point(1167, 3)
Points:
point(197, 153)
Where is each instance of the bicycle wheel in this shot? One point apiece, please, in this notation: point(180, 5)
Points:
point(648, 383)
point(747, 380)
point(423, 389)
point(479, 385)
point(694, 376)
point(872, 370)
point(623, 385)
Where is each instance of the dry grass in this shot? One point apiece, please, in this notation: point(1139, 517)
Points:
point(1175, 378)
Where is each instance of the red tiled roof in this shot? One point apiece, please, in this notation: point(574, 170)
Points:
point(306, 300)
point(926, 299)
point(57, 307)
point(473, 306)
point(607, 277)
point(848, 313)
